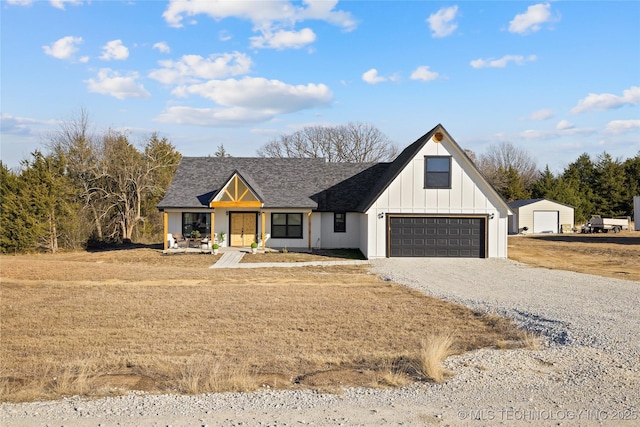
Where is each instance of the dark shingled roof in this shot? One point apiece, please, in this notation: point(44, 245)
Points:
point(280, 183)
point(519, 203)
point(291, 182)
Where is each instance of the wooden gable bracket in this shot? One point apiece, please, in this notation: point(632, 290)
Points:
point(236, 193)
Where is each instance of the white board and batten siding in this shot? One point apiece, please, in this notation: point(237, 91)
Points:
point(469, 195)
point(350, 238)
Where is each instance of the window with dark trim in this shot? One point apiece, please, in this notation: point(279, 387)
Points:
point(192, 221)
point(437, 172)
point(339, 222)
point(286, 225)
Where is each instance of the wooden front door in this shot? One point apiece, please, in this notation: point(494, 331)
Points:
point(243, 228)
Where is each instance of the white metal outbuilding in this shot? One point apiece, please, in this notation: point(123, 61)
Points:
point(636, 212)
point(540, 216)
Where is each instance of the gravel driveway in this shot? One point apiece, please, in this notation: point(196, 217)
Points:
point(588, 373)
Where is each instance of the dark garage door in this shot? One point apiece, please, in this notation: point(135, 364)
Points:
point(437, 237)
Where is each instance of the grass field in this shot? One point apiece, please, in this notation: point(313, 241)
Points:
point(107, 322)
point(603, 254)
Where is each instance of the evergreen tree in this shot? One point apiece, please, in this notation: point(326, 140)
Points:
point(17, 225)
point(47, 190)
point(609, 183)
point(514, 188)
point(579, 179)
point(162, 159)
point(545, 185)
point(221, 152)
point(632, 182)
point(37, 205)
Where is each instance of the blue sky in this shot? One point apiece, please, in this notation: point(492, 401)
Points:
point(556, 78)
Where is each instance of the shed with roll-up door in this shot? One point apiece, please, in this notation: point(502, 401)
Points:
point(540, 216)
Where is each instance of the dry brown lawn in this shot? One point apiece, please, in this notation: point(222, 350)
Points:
point(604, 254)
point(107, 322)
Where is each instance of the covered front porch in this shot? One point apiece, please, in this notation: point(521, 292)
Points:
point(235, 216)
point(198, 230)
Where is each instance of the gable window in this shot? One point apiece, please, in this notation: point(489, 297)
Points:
point(192, 221)
point(286, 225)
point(437, 172)
point(339, 222)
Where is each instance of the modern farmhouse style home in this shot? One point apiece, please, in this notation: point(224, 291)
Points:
point(431, 201)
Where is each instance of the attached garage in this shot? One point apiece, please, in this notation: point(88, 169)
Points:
point(540, 216)
point(437, 236)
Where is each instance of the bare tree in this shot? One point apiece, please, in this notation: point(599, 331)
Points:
point(79, 146)
point(500, 162)
point(353, 142)
point(131, 177)
point(116, 181)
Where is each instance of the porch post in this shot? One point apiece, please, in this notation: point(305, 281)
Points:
point(212, 239)
point(309, 227)
point(264, 224)
point(165, 228)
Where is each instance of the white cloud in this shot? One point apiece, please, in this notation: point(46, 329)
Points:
point(59, 4)
point(372, 77)
point(617, 127)
point(63, 48)
point(608, 101)
point(162, 47)
point(555, 133)
point(531, 20)
point(543, 114)
point(565, 125)
point(114, 50)
point(20, 2)
point(213, 116)
point(284, 39)
point(248, 100)
point(424, 73)
point(224, 36)
point(111, 83)
point(192, 68)
point(258, 93)
point(273, 20)
point(502, 62)
point(442, 22)
point(15, 125)
point(262, 14)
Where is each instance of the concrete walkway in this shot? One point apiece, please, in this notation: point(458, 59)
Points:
point(228, 259)
point(232, 260)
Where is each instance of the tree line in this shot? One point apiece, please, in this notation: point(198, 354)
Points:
point(93, 188)
point(602, 185)
point(86, 189)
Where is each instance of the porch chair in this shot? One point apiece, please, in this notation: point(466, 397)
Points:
point(180, 241)
point(172, 244)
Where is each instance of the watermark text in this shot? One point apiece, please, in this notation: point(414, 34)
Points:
point(526, 414)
